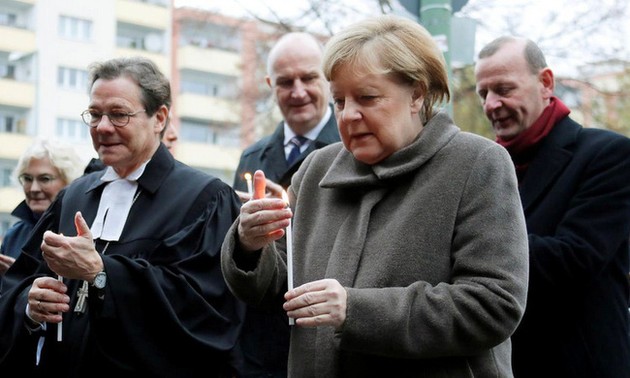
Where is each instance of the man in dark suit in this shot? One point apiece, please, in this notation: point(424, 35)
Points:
point(575, 190)
point(301, 91)
point(295, 76)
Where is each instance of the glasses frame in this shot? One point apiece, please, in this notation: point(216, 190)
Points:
point(44, 180)
point(88, 113)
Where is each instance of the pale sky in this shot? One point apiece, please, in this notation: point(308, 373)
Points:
point(532, 18)
point(346, 10)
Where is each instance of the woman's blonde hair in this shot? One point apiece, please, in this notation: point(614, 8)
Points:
point(391, 45)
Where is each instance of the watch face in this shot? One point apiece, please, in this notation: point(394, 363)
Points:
point(100, 280)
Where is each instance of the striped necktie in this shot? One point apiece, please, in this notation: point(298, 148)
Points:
point(297, 142)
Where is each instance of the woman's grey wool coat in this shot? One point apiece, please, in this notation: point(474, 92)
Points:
point(431, 246)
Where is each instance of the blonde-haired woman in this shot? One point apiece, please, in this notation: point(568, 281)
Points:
point(409, 240)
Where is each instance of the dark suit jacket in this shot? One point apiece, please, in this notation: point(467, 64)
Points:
point(268, 155)
point(576, 197)
point(265, 334)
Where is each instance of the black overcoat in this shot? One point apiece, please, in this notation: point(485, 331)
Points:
point(576, 198)
point(165, 304)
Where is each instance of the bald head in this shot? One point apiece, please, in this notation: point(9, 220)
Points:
point(291, 43)
point(294, 74)
point(533, 55)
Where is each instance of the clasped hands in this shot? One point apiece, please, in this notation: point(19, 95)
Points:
point(263, 220)
point(71, 257)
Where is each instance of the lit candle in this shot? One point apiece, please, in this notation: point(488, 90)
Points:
point(289, 238)
point(60, 325)
point(250, 188)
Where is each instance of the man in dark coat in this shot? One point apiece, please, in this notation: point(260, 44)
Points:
point(301, 91)
point(136, 249)
point(574, 184)
point(294, 74)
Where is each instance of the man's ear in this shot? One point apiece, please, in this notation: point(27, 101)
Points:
point(162, 116)
point(545, 76)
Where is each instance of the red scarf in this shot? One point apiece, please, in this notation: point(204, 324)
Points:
point(522, 146)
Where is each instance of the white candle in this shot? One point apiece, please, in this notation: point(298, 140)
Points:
point(60, 325)
point(250, 189)
point(289, 237)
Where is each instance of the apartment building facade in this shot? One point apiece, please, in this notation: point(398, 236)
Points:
point(214, 64)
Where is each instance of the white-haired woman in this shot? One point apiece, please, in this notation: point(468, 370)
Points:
point(44, 168)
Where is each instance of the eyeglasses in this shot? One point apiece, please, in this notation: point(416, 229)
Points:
point(42, 180)
point(117, 119)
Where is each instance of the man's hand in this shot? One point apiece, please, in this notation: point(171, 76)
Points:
point(72, 256)
point(5, 263)
point(47, 299)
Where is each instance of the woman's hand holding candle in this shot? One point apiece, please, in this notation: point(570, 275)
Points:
point(262, 219)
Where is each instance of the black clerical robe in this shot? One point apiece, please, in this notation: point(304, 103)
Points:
point(166, 310)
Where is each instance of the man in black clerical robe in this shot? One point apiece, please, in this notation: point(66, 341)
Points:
point(164, 309)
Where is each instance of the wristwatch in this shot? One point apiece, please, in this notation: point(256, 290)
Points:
point(100, 280)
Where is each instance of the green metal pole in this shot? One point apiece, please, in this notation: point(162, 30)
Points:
point(435, 15)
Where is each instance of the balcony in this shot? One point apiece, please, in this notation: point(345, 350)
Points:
point(18, 94)
point(17, 40)
point(209, 60)
point(13, 145)
point(145, 14)
point(160, 60)
point(207, 156)
point(208, 108)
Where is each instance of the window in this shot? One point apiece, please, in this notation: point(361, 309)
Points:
point(7, 124)
point(199, 88)
point(130, 42)
point(228, 137)
point(17, 67)
point(196, 132)
point(208, 84)
point(210, 133)
point(139, 38)
point(5, 176)
point(72, 129)
point(75, 28)
point(12, 122)
point(208, 35)
point(7, 71)
point(72, 78)
point(8, 19)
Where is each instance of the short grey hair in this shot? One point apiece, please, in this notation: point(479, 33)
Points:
point(533, 54)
